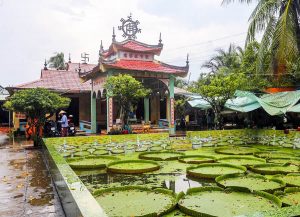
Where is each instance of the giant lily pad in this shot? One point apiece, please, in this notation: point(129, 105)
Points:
point(212, 170)
point(290, 197)
point(242, 160)
point(161, 156)
point(214, 201)
point(292, 179)
point(251, 182)
point(133, 166)
point(273, 154)
point(236, 150)
point(100, 152)
point(81, 154)
point(136, 201)
point(196, 159)
point(280, 160)
point(91, 162)
point(270, 168)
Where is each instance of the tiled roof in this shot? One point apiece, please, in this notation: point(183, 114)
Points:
point(151, 66)
point(132, 45)
point(84, 66)
point(139, 46)
point(59, 80)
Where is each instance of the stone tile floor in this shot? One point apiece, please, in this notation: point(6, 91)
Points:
point(26, 187)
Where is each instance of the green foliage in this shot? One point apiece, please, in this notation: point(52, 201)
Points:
point(279, 22)
point(36, 103)
point(126, 90)
point(57, 61)
point(217, 88)
point(180, 106)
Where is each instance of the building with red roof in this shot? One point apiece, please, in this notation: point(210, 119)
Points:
point(138, 60)
point(84, 83)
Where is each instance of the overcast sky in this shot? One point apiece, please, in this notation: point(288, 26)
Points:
point(32, 30)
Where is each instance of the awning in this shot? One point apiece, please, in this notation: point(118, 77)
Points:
point(242, 104)
point(274, 104)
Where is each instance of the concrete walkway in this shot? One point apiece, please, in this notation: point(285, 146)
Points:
point(26, 187)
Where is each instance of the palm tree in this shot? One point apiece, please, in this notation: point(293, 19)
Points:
point(278, 21)
point(57, 61)
point(229, 59)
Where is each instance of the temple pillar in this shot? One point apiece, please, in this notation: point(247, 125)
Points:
point(155, 109)
point(146, 110)
point(110, 112)
point(93, 113)
point(171, 102)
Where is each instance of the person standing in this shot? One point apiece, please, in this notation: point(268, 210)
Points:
point(64, 123)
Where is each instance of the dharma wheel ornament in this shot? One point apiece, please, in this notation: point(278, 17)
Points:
point(129, 27)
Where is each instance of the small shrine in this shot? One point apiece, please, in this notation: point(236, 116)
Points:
point(138, 60)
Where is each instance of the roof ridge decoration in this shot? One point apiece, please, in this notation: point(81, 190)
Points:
point(129, 27)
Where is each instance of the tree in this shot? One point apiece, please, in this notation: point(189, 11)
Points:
point(217, 88)
point(57, 61)
point(126, 90)
point(36, 104)
point(279, 22)
point(230, 59)
point(181, 83)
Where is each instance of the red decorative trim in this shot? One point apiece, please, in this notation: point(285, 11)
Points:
point(172, 110)
point(110, 107)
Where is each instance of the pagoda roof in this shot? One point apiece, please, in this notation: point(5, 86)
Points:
point(149, 66)
point(132, 45)
point(61, 80)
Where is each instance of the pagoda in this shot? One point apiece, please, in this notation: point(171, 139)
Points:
point(138, 60)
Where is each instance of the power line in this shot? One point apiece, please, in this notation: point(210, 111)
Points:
point(207, 42)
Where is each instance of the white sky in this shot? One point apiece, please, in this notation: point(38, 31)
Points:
point(32, 30)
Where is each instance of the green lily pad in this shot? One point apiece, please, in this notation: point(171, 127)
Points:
point(100, 152)
point(212, 170)
point(161, 156)
point(271, 169)
point(158, 148)
point(81, 154)
point(91, 162)
point(242, 160)
point(135, 201)
point(251, 182)
point(273, 154)
point(117, 151)
point(141, 149)
point(292, 179)
point(236, 150)
point(278, 160)
point(290, 197)
point(133, 166)
point(196, 159)
point(214, 201)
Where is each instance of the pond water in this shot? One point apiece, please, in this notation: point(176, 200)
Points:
point(182, 176)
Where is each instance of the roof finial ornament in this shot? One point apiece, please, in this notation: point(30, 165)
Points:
point(69, 58)
point(129, 27)
point(45, 65)
point(187, 60)
point(79, 69)
point(113, 35)
point(160, 40)
point(101, 49)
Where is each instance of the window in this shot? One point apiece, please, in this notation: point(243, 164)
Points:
point(125, 55)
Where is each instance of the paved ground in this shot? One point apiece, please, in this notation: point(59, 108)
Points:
point(26, 187)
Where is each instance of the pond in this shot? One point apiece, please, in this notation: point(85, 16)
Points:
point(231, 175)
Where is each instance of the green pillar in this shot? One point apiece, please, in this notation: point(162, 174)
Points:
point(171, 103)
point(146, 110)
point(109, 107)
point(93, 113)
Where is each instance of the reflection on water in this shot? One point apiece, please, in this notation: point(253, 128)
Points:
point(174, 182)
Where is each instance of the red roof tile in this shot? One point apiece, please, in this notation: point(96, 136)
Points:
point(150, 66)
point(59, 80)
point(141, 47)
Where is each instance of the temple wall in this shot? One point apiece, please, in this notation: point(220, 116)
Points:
point(85, 107)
